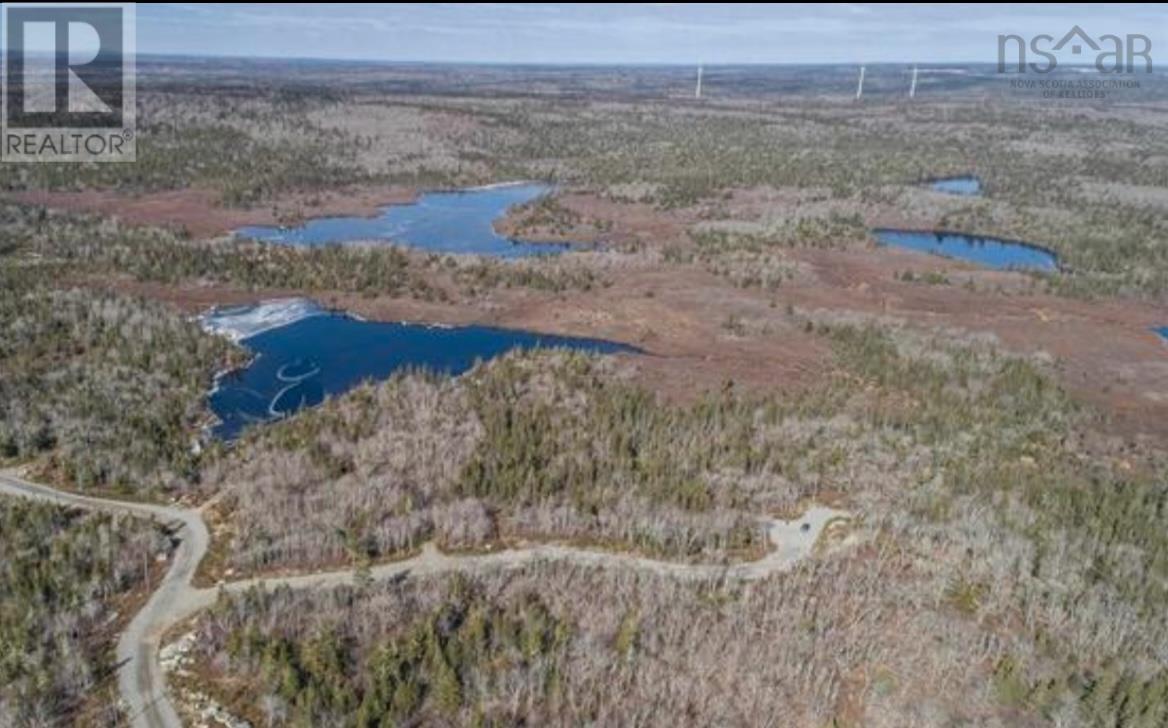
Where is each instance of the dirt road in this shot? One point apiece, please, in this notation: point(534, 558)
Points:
point(140, 677)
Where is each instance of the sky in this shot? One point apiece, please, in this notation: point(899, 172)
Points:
point(627, 33)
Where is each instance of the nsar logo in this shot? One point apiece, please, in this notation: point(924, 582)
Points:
point(1112, 54)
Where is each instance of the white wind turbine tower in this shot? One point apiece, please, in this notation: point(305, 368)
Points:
point(912, 90)
point(860, 85)
point(698, 89)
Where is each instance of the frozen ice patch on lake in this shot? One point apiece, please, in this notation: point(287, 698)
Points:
point(241, 322)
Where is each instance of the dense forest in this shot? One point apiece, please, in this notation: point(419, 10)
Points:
point(108, 389)
point(64, 577)
point(542, 446)
point(1028, 552)
point(90, 246)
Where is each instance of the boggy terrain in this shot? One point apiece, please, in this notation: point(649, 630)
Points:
point(998, 437)
point(706, 322)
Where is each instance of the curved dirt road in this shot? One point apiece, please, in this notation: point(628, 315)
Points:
point(140, 677)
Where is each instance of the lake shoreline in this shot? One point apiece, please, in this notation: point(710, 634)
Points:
point(883, 234)
point(447, 222)
point(335, 351)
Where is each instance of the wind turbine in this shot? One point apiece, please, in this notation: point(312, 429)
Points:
point(860, 85)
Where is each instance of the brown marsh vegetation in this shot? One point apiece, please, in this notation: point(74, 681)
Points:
point(1009, 557)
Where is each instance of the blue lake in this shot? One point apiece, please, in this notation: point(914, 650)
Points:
point(443, 222)
point(985, 251)
point(966, 185)
point(304, 353)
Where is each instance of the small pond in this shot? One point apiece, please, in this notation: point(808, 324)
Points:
point(442, 222)
point(986, 251)
point(304, 353)
point(965, 185)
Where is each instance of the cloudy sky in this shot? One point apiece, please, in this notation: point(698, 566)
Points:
point(628, 33)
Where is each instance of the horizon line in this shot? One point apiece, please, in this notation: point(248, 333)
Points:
point(577, 64)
